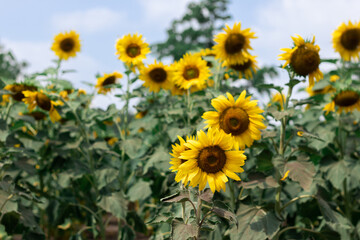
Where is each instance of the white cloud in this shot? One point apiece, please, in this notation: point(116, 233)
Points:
point(87, 21)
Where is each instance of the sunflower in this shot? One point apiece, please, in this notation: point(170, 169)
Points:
point(210, 159)
point(17, 89)
point(206, 53)
point(41, 100)
point(105, 81)
point(156, 76)
point(346, 41)
point(304, 59)
point(66, 45)
point(324, 90)
point(141, 114)
point(177, 149)
point(246, 69)
point(346, 100)
point(132, 49)
point(278, 98)
point(233, 45)
point(190, 71)
point(241, 118)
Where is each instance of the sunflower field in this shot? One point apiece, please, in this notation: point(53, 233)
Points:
point(203, 157)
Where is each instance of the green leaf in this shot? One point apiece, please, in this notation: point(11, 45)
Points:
point(177, 197)
point(260, 181)
point(269, 86)
point(6, 202)
point(139, 191)
point(268, 223)
point(182, 231)
point(337, 173)
point(159, 159)
point(207, 195)
point(3, 130)
point(293, 82)
point(114, 204)
point(174, 132)
point(301, 171)
point(278, 115)
point(225, 214)
point(106, 176)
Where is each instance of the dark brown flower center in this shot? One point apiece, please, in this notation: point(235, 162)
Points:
point(191, 72)
point(109, 80)
point(241, 67)
point(43, 101)
point(37, 115)
point(158, 75)
point(234, 43)
point(234, 121)
point(211, 159)
point(304, 61)
point(133, 50)
point(350, 39)
point(346, 98)
point(17, 91)
point(67, 45)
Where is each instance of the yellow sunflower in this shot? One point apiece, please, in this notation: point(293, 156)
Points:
point(346, 41)
point(156, 76)
point(141, 114)
point(41, 100)
point(66, 45)
point(177, 149)
point(233, 45)
point(17, 90)
point(191, 71)
point(246, 69)
point(346, 100)
point(279, 99)
point(210, 159)
point(303, 58)
point(105, 81)
point(132, 49)
point(241, 118)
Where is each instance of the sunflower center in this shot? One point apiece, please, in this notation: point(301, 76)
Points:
point(234, 43)
point(211, 159)
point(133, 50)
point(305, 61)
point(350, 39)
point(158, 75)
point(241, 67)
point(346, 98)
point(234, 121)
point(43, 101)
point(67, 44)
point(191, 72)
point(109, 80)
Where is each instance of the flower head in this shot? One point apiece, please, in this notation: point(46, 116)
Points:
point(132, 49)
point(346, 41)
point(103, 83)
point(345, 100)
point(66, 45)
point(156, 76)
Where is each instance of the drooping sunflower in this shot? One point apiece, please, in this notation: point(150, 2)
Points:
point(132, 49)
point(211, 159)
point(346, 41)
point(176, 161)
point(17, 90)
point(233, 45)
point(304, 59)
point(241, 118)
point(191, 71)
point(66, 45)
point(246, 69)
point(345, 100)
point(106, 80)
point(41, 100)
point(156, 76)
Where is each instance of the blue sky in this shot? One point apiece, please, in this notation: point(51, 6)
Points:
point(28, 27)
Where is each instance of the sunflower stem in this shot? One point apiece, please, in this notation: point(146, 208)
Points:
point(188, 94)
point(232, 195)
point(198, 214)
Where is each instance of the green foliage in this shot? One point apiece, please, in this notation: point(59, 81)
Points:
point(9, 67)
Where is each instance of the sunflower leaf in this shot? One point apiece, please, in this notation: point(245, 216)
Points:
point(177, 197)
point(182, 231)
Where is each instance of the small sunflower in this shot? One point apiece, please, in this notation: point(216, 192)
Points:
point(17, 90)
point(303, 58)
point(246, 69)
point(278, 98)
point(233, 45)
point(141, 114)
point(210, 159)
point(346, 41)
point(241, 118)
point(346, 100)
point(66, 45)
point(156, 76)
point(191, 71)
point(105, 81)
point(176, 161)
point(41, 100)
point(132, 49)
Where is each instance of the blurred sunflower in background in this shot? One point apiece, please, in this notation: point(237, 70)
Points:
point(233, 45)
point(278, 98)
point(210, 159)
point(66, 45)
point(312, 92)
point(40, 99)
point(103, 83)
point(156, 76)
point(17, 89)
point(345, 100)
point(191, 71)
point(346, 41)
point(241, 118)
point(132, 49)
point(303, 58)
point(245, 69)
